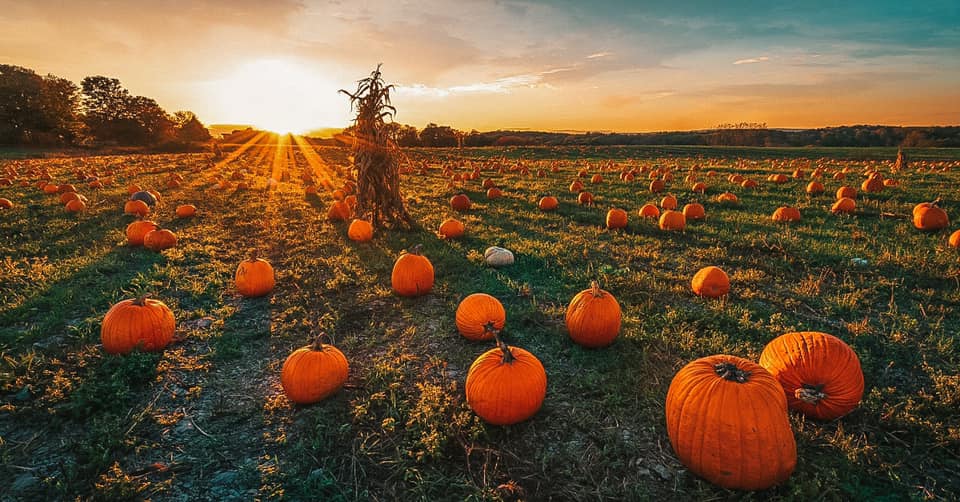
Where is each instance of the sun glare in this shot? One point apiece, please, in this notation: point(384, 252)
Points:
point(280, 95)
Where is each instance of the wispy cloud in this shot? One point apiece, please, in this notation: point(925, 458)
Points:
point(499, 86)
point(600, 55)
point(760, 59)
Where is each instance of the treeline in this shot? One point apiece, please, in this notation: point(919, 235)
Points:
point(48, 111)
point(434, 135)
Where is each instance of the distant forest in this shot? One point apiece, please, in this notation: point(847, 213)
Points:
point(49, 111)
point(745, 134)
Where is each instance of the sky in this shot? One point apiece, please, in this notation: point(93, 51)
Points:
point(511, 64)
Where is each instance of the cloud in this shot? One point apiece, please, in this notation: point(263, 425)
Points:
point(600, 55)
point(761, 59)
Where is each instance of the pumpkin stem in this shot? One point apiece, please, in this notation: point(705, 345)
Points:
point(141, 300)
point(730, 371)
point(595, 289)
point(318, 341)
point(507, 355)
point(254, 255)
point(416, 249)
point(935, 202)
point(810, 394)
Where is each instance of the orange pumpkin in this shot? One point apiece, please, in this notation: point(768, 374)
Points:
point(576, 186)
point(596, 178)
point(339, 211)
point(728, 198)
point(158, 240)
point(412, 274)
point(657, 186)
point(649, 211)
point(848, 192)
point(360, 231)
point(616, 218)
point(668, 202)
point(711, 282)
point(494, 193)
point(815, 188)
point(873, 184)
point(480, 317)
point(727, 422)
point(313, 373)
point(145, 323)
point(548, 203)
point(460, 202)
point(845, 205)
point(136, 207)
point(819, 373)
point(786, 214)
point(451, 229)
point(928, 216)
point(254, 277)
point(506, 385)
point(186, 210)
point(694, 211)
point(672, 220)
point(585, 199)
point(954, 240)
point(593, 317)
point(137, 230)
point(699, 187)
point(6, 204)
point(75, 206)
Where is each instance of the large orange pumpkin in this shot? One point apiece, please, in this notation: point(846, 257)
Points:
point(848, 192)
point(136, 207)
point(186, 210)
point(506, 385)
point(727, 421)
point(451, 228)
point(668, 202)
point(143, 322)
point(548, 203)
point(845, 205)
point(460, 202)
point(711, 282)
point(593, 317)
point(313, 373)
point(928, 216)
point(672, 220)
point(480, 317)
point(820, 375)
point(786, 214)
point(360, 231)
point(616, 218)
point(254, 277)
point(412, 274)
point(158, 240)
point(694, 211)
point(137, 230)
point(649, 211)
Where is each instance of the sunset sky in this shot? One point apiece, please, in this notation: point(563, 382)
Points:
point(558, 65)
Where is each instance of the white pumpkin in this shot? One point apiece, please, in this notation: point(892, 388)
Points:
point(498, 256)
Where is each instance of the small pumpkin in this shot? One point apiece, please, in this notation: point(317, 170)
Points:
point(699, 187)
point(954, 240)
point(6, 204)
point(412, 274)
point(819, 373)
point(254, 277)
point(815, 188)
point(694, 211)
point(585, 199)
point(339, 211)
point(360, 231)
point(75, 206)
point(593, 317)
point(480, 317)
point(137, 230)
point(668, 202)
point(548, 203)
point(143, 322)
point(313, 373)
point(494, 193)
point(728, 198)
point(727, 422)
point(930, 217)
point(846, 205)
point(136, 207)
point(616, 218)
point(649, 211)
point(460, 202)
point(672, 220)
point(506, 385)
point(496, 256)
point(159, 239)
point(711, 282)
point(848, 192)
point(786, 214)
point(657, 186)
point(451, 228)
point(576, 186)
point(186, 210)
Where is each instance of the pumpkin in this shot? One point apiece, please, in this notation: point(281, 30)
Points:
point(616, 218)
point(711, 282)
point(845, 205)
point(596, 178)
point(576, 186)
point(488, 183)
point(494, 193)
point(186, 210)
point(136, 207)
point(672, 220)
point(694, 211)
point(657, 186)
point(68, 196)
point(75, 206)
point(143, 322)
point(749, 183)
point(412, 274)
point(147, 197)
point(480, 317)
point(848, 192)
point(928, 216)
point(6, 204)
point(254, 277)
point(548, 203)
point(451, 228)
point(585, 199)
point(815, 188)
point(50, 188)
point(496, 256)
point(649, 211)
point(873, 184)
point(137, 230)
point(360, 231)
point(593, 317)
point(727, 422)
point(954, 240)
point(460, 202)
point(158, 240)
point(699, 187)
point(819, 373)
point(728, 198)
point(66, 188)
point(313, 373)
point(506, 385)
point(132, 189)
point(668, 202)
point(786, 214)
point(339, 211)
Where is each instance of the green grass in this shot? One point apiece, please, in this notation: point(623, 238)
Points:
point(207, 418)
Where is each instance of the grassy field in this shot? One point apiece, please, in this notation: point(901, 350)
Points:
point(207, 419)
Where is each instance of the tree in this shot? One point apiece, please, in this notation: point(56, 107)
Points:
point(20, 112)
point(375, 155)
point(188, 128)
point(437, 136)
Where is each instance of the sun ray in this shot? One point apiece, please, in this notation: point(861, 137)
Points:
point(320, 168)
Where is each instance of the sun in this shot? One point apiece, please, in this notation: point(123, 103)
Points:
point(280, 95)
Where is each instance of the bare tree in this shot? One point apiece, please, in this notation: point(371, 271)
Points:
point(376, 158)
